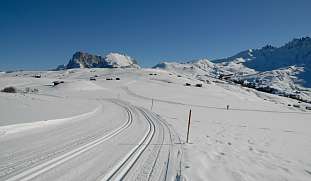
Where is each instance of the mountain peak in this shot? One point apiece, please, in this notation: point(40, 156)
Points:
point(112, 60)
point(84, 60)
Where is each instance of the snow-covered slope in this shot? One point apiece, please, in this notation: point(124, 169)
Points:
point(112, 60)
point(84, 130)
point(191, 69)
point(206, 67)
point(119, 60)
point(235, 67)
point(281, 81)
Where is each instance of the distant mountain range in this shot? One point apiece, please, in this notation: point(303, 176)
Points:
point(282, 70)
point(294, 53)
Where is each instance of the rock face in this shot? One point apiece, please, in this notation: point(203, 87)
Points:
point(84, 60)
point(112, 60)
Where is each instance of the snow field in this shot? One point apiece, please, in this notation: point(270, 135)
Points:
point(258, 138)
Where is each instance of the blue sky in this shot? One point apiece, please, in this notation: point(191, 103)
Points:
point(41, 34)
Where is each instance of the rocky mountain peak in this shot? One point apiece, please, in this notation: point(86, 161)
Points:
point(112, 60)
point(268, 47)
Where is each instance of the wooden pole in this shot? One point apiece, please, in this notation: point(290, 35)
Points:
point(188, 126)
point(151, 105)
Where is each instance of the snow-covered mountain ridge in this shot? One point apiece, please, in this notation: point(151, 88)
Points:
point(285, 70)
point(112, 60)
point(281, 81)
point(294, 53)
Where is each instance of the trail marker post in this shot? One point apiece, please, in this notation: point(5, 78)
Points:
point(189, 120)
point(151, 105)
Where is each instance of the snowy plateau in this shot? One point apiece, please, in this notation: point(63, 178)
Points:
point(105, 118)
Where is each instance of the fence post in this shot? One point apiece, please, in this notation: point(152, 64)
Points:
point(151, 104)
point(188, 126)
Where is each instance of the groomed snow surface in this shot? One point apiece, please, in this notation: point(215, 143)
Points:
point(135, 129)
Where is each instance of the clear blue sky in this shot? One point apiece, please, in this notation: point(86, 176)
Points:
point(41, 34)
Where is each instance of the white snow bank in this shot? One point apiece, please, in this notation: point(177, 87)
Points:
point(15, 128)
point(82, 86)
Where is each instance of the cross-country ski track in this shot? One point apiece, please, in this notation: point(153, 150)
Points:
point(113, 153)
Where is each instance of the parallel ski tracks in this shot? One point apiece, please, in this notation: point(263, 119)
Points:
point(157, 156)
point(121, 169)
point(41, 168)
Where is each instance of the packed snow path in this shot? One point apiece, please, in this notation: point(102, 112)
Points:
point(108, 150)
